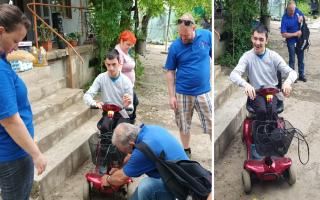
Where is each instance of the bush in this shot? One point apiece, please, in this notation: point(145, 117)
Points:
point(240, 16)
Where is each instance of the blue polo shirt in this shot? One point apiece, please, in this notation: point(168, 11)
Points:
point(192, 63)
point(13, 99)
point(158, 139)
point(290, 24)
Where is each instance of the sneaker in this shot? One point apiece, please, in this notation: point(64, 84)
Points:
point(188, 152)
point(296, 81)
point(302, 79)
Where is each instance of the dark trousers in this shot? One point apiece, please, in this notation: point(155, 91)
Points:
point(300, 55)
point(135, 104)
point(16, 178)
point(260, 107)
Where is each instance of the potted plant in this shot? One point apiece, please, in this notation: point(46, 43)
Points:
point(73, 38)
point(45, 35)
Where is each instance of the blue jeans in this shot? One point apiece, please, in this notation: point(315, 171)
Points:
point(300, 55)
point(16, 178)
point(152, 189)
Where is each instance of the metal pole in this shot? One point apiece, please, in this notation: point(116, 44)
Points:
point(167, 34)
point(35, 24)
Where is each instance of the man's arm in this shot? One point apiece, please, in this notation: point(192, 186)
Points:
point(237, 72)
point(236, 78)
point(171, 76)
point(290, 35)
point(285, 69)
point(118, 178)
point(91, 93)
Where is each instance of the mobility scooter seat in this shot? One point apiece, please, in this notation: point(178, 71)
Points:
point(280, 107)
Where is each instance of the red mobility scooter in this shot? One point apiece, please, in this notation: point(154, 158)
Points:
point(265, 159)
point(105, 156)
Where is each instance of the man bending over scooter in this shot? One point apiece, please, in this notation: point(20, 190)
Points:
point(115, 88)
point(262, 64)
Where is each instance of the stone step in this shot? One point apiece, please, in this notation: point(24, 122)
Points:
point(59, 126)
point(35, 74)
point(217, 71)
point(224, 88)
point(44, 87)
point(64, 158)
point(48, 106)
point(227, 122)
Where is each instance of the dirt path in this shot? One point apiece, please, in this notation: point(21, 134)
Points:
point(153, 109)
point(302, 109)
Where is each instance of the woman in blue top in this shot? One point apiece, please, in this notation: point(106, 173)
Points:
point(18, 152)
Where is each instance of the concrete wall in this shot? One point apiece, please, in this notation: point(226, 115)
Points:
point(74, 24)
point(219, 46)
point(58, 61)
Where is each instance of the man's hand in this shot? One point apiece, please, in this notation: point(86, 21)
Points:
point(99, 104)
point(286, 88)
point(298, 33)
point(300, 19)
point(126, 100)
point(173, 102)
point(40, 163)
point(113, 170)
point(249, 91)
point(104, 180)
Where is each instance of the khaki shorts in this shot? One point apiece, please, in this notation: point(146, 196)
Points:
point(186, 105)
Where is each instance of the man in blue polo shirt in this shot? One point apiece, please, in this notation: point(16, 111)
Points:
point(158, 139)
point(290, 29)
point(188, 77)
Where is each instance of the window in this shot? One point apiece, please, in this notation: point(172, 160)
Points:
point(65, 12)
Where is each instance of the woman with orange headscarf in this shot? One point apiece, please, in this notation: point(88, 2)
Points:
point(127, 40)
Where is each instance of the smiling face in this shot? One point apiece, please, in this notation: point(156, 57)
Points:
point(113, 67)
point(9, 40)
point(259, 41)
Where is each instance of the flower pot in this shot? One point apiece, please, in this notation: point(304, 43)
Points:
point(47, 45)
point(74, 43)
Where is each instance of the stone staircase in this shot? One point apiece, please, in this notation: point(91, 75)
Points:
point(229, 110)
point(63, 125)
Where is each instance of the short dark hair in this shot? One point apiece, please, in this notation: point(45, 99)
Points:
point(113, 54)
point(11, 16)
point(261, 28)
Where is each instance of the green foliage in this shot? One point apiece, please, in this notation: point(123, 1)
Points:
point(239, 20)
point(45, 33)
point(109, 18)
point(73, 36)
point(193, 6)
point(304, 7)
point(148, 9)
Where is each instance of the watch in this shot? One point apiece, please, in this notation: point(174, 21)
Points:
point(107, 179)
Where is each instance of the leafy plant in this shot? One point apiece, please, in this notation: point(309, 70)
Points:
point(73, 36)
point(109, 18)
point(45, 33)
point(304, 7)
point(240, 16)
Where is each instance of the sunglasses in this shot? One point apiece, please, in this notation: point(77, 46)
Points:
point(186, 22)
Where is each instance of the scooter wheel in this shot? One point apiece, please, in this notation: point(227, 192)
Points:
point(291, 175)
point(86, 191)
point(246, 181)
